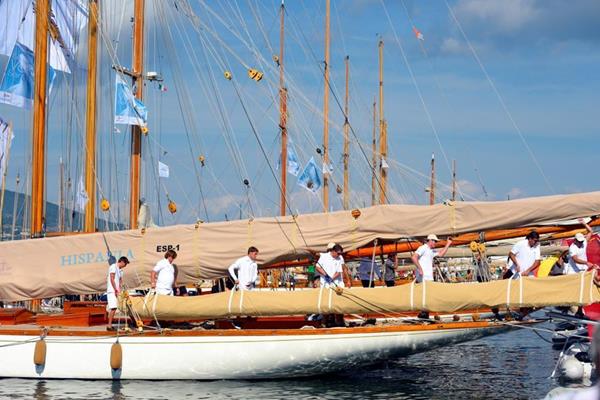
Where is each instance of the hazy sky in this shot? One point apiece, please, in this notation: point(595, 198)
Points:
point(508, 89)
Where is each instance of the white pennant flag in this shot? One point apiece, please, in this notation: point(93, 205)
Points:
point(82, 196)
point(163, 170)
point(384, 164)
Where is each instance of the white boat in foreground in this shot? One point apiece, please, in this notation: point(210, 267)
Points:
point(224, 354)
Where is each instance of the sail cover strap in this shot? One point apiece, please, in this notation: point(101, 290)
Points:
point(424, 292)
point(508, 281)
point(319, 299)
point(581, 282)
point(230, 300)
point(592, 286)
point(241, 299)
point(412, 293)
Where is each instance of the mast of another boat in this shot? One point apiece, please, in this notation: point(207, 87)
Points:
point(90, 154)
point(15, 202)
point(61, 195)
point(136, 131)
point(374, 156)
point(282, 114)
point(432, 183)
point(39, 117)
point(326, 112)
point(382, 131)
point(346, 198)
point(453, 180)
point(7, 155)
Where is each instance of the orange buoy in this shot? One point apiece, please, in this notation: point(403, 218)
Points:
point(116, 356)
point(39, 353)
point(172, 207)
point(104, 205)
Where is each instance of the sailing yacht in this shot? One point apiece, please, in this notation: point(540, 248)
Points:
point(204, 337)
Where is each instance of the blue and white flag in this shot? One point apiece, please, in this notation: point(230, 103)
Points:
point(327, 168)
point(128, 109)
point(6, 138)
point(309, 178)
point(17, 84)
point(292, 160)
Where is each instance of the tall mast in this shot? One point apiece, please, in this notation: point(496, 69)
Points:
point(432, 184)
point(136, 131)
point(15, 201)
point(374, 156)
point(7, 155)
point(39, 117)
point(326, 113)
point(382, 129)
point(346, 138)
point(61, 196)
point(90, 154)
point(453, 180)
point(282, 114)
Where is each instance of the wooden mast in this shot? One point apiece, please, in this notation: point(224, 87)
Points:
point(39, 118)
point(61, 195)
point(15, 201)
point(136, 131)
point(374, 156)
point(346, 139)
point(453, 180)
point(382, 130)
point(282, 114)
point(326, 113)
point(432, 184)
point(90, 155)
point(4, 174)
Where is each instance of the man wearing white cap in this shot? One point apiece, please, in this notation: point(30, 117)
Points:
point(577, 252)
point(423, 257)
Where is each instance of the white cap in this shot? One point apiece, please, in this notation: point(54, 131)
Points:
point(330, 246)
point(579, 237)
point(432, 237)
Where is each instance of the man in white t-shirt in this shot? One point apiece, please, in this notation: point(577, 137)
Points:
point(114, 283)
point(578, 261)
point(525, 257)
point(423, 257)
point(247, 270)
point(164, 274)
point(331, 267)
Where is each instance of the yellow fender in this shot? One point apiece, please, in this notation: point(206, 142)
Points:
point(116, 356)
point(39, 353)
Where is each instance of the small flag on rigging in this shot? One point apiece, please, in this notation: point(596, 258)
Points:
point(418, 34)
point(384, 164)
point(128, 109)
point(82, 196)
point(6, 137)
point(327, 168)
point(292, 160)
point(163, 170)
point(309, 178)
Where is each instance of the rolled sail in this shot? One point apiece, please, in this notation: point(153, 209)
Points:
point(77, 264)
point(571, 290)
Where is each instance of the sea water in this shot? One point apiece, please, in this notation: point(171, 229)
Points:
point(513, 365)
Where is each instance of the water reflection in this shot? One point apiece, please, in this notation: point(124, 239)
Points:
point(512, 365)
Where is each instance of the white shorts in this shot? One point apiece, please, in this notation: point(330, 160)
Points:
point(112, 301)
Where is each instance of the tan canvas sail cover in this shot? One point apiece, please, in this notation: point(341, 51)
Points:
point(40, 268)
point(576, 289)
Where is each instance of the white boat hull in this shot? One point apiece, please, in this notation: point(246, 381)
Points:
point(222, 356)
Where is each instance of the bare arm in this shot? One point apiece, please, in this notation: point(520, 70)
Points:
point(513, 258)
point(533, 268)
point(590, 232)
point(443, 252)
point(153, 276)
point(415, 260)
point(112, 282)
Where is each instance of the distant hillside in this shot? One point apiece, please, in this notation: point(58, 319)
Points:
point(73, 219)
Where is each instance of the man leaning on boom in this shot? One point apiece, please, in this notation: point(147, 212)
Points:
point(247, 270)
point(525, 257)
point(164, 274)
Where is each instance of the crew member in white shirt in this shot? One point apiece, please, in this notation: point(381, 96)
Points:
point(114, 283)
point(247, 270)
point(578, 261)
point(331, 267)
point(423, 257)
point(525, 257)
point(164, 274)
